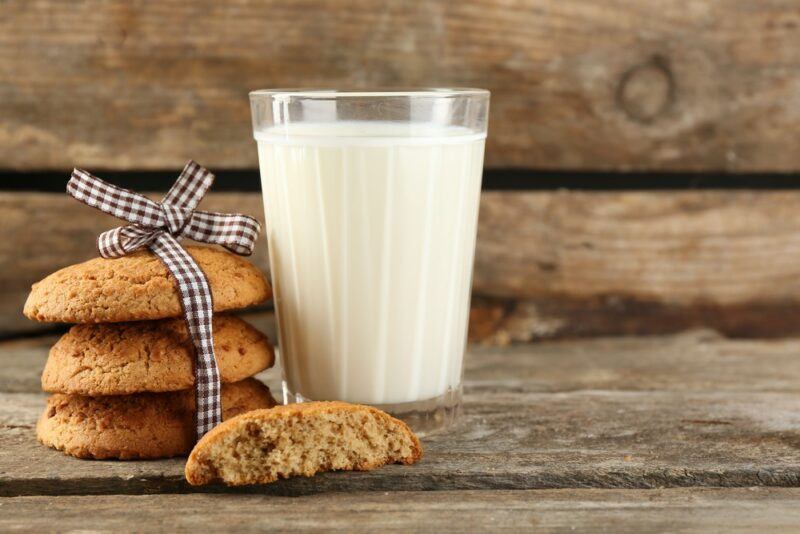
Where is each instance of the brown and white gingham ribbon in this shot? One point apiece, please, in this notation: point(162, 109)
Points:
point(158, 226)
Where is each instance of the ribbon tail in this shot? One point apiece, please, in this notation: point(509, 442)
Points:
point(196, 300)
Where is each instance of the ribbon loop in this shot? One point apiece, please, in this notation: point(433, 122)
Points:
point(236, 232)
point(190, 187)
point(117, 201)
point(159, 226)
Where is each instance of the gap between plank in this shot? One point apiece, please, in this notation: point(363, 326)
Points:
point(247, 180)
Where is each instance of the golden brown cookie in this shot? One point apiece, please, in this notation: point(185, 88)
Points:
point(149, 356)
point(138, 287)
point(300, 439)
point(128, 427)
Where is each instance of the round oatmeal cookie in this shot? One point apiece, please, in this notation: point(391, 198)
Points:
point(129, 427)
point(149, 356)
point(138, 287)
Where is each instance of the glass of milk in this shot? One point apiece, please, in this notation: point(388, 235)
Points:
point(371, 203)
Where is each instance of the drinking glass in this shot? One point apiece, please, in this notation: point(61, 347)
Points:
point(371, 202)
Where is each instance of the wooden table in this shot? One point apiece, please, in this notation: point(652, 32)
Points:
point(681, 432)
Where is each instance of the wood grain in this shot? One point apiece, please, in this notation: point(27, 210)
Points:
point(677, 85)
point(726, 414)
point(623, 511)
point(548, 264)
point(681, 247)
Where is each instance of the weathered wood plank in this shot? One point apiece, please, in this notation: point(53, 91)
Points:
point(682, 84)
point(507, 440)
point(673, 510)
point(548, 264)
point(678, 428)
point(570, 263)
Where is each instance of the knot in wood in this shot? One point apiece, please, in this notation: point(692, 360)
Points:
point(647, 90)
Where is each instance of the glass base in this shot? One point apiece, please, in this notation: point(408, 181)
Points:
point(425, 417)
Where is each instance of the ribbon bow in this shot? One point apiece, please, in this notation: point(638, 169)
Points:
point(158, 226)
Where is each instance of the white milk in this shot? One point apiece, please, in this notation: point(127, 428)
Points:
point(371, 230)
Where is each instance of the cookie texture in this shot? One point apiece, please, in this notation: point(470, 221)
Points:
point(129, 427)
point(138, 287)
point(149, 356)
point(300, 439)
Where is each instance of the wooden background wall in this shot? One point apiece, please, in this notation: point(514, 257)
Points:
point(605, 115)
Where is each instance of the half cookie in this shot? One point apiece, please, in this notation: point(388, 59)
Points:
point(138, 287)
point(149, 356)
point(147, 425)
point(300, 439)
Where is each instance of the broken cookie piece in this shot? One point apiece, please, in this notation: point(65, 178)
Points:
point(262, 446)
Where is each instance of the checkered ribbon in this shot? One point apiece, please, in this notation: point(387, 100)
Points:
point(158, 226)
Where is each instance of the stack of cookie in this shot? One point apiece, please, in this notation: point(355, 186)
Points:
point(123, 378)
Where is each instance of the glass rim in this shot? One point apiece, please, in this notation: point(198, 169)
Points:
point(387, 92)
